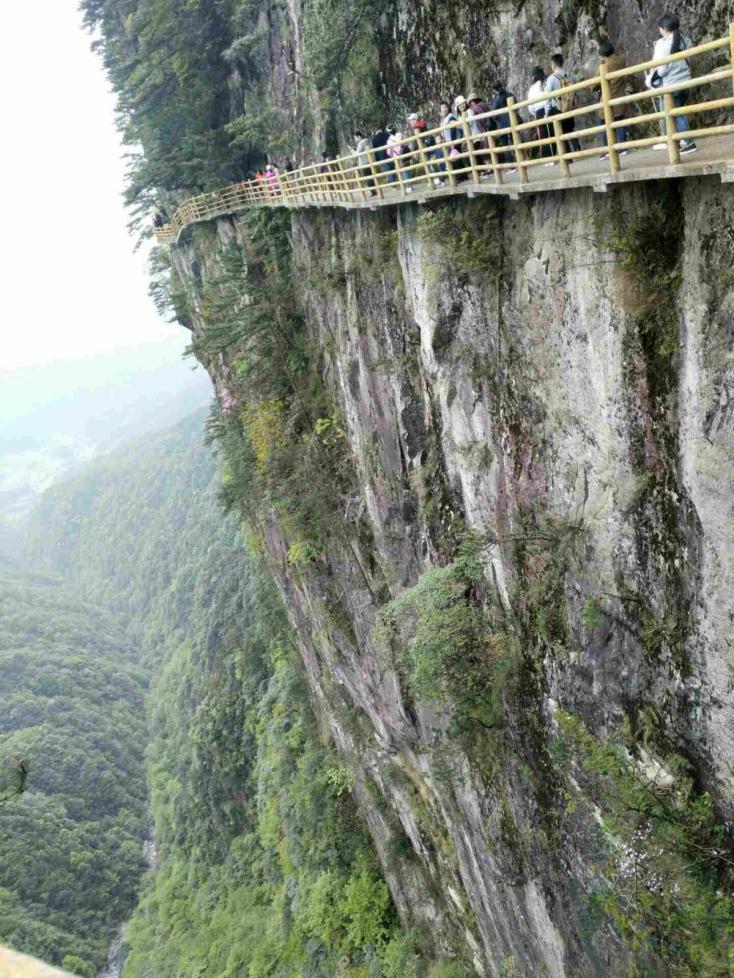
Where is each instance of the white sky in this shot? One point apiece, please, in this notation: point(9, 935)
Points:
point(70, 284)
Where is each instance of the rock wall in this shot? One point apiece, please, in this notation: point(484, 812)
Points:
point(555, 376)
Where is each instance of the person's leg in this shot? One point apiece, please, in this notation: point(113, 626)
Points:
point(568, 126)
point(367, 173)
point(508, 154)
point(600, 122)
point(681, 121)
point(661, 106)
point(554, 148)
point(544, 133)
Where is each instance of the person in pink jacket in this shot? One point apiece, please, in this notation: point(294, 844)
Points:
point(393, 149)
point(271, 175)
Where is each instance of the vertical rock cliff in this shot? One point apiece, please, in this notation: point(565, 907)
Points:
point(534, 407)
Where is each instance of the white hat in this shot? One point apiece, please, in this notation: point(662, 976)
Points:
point(413, 117)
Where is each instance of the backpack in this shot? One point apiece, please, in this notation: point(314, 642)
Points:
point(568, 101)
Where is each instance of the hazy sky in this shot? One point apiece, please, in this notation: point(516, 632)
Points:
point(71, 285)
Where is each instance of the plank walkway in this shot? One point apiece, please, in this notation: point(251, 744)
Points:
point(504, 161)
point(714, 157)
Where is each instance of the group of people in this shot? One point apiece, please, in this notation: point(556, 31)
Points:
point(547, 98)
point(444, 153)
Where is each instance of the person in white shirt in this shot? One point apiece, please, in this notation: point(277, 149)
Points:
point(537, 109)
point(671, 41)
point(393, 149)
point(363, 156)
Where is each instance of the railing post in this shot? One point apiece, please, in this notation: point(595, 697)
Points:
point(291, 181)
point(608, 113)
point(314, 183)
point(333, 189)
point(330, 188)
point(293, 186)
point(446, 152)
point(517, 140)
point(336, 178)
point(363, 182)
point(422, 155)
point(498, 175)
point(318, 184)
point(398, 163)
point(558, 130)
point(671, 129)
point(332, 182)
point(343, 178)
point(470, 147)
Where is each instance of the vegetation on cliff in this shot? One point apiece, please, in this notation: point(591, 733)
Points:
point(195, 84)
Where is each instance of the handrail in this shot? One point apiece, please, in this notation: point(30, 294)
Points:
point(433, 157)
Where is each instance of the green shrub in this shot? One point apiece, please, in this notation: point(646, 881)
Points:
point(669, 875)
point(76, 966)
point(591, 614)
point(450, 969)
point(442, 628)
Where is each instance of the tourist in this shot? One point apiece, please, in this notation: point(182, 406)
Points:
point(560, 78)
point(465, 117)
point(671, 41)
point(479, 127)
point(450, 135)
point(614, 61)
point(379, 144)
point(325, 167)
point(478, 107)
point(362, 150)
point(271, 175)
point(537, 109)
point(500, 97)
point(418, 125)
point(394, 149)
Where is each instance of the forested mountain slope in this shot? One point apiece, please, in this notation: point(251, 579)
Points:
point(264, 868)
point(71, 709)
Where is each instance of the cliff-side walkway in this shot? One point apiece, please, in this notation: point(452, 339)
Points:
point(518, 157)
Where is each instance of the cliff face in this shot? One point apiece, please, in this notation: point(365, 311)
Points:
point(550, 379)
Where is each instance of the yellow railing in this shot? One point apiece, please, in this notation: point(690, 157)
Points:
point(457, 156)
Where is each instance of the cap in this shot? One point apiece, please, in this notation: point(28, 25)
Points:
point(460, 100)
point(473, 97)
point(413, 117)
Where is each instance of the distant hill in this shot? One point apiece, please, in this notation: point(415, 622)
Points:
point(56, 417)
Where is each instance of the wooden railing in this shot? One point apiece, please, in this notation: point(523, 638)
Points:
point(457, 156)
